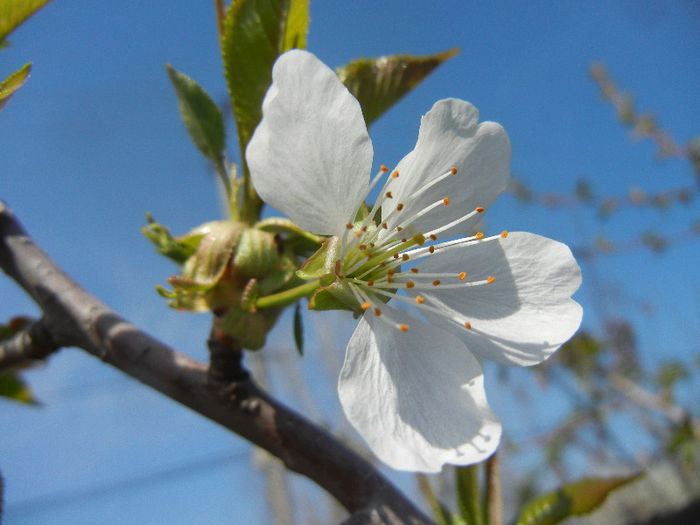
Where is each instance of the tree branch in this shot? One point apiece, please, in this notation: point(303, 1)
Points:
point(33, 342)
point(73, 317)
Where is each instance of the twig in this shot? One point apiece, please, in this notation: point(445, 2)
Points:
point(31, 343)
point(76, 318)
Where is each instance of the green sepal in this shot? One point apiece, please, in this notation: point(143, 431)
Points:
point(573, 499)
point(14, 12)
point(178, 249)
point(324, 299)
point(298, 240)
point(12, 83)
point(379, 83)
point(201, 115)
point(214, 252)
point(319, 263)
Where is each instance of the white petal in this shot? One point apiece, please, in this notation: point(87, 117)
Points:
point(526, 313)
point(310, 156)
point(417, 398)
point(450, 136)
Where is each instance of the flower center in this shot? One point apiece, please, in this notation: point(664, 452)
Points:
point(373, 251)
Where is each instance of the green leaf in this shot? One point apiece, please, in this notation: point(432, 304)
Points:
point(298, 329)
point(13, 387)
point(256, 32)
point(202, 117)
point(14, 12)
point(12, 83)
point(379, 83)
point(573, 499)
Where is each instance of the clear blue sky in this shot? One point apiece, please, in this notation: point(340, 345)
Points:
point(94, 140)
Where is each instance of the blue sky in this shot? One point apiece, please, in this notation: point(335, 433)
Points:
point(94, 140)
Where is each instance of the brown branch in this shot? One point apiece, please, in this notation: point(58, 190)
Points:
point(74, 317)
point(32, 343)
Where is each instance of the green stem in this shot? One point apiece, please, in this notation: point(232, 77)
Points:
point(468, 494)
point(494, 502)
point(288, 296)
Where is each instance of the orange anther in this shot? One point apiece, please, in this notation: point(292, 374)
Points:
point(348, 226)
point(468, 325)
point(479, 209)
point(390, 272)
point(446, 201)
point(403, 327)
point(399, 228)
point(431, 249)
point(490, 280)
point(462, 275)
point(414, 270)
point(479, 235)
point(383, 168)
point(370, 282)
point(399, 207)
point(436, 282)
point(410, 284)
point(365, 305)
point(405, 257)
point(453, 170)
point(384, 225)
point(389, 195)
point(504, 233)
point(377, 312)
point(395, 174)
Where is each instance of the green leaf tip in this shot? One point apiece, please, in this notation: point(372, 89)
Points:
point(14, 12)
point(379, 83)
point(573, 499)
point(12, 83)
point(201, 115)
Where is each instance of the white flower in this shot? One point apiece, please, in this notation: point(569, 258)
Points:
point(413, 389)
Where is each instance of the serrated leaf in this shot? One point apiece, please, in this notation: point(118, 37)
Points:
point(573, 499)
point(379, 83)
point(13, 386)
point(256, 32)
point(298, 329)
point(201, 115)
point(12, 83)
point(14, 12)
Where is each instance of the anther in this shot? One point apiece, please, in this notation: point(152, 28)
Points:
point(420, 300)
point(389, 195)
point(479, 209)
point(399, 228)
point(468, 325)
point(446, 201)
point(365, 305)
point(410, 284)
point(349, 226)
point(362, 247)
point(377, 312)
point(414, 270)
point(433, 237)
point(383, 168)
point(453, 170)
point(504, 233)
point(399, 207)
point(390, 272)
point(384, 225)
point(358, 234)
point(405, 257)
point(403, 327)
point(436, 282)
point(396, 256)
point(462, 275)
point(479, 235)
point(490, 280)
point(395, 174)
point(370, 282)
point(403, 239)
point(431, 249)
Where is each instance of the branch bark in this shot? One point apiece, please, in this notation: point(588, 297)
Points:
point(73, 317)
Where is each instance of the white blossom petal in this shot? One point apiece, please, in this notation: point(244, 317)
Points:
point(450, 136)
point(526, 313)
point(417, 398)
point(310, 157)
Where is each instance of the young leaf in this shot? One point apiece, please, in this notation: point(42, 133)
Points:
point(379, 83)
point(13, 83)
point(13, 387)
point(298, 329)
point(573, 499)
point(14, 12)
point(256, 32)
point(202, 117)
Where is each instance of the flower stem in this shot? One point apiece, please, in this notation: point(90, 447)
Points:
point(494, 503)
point(288, 296)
